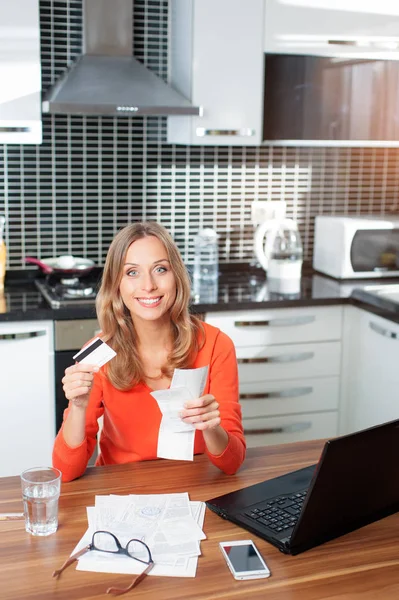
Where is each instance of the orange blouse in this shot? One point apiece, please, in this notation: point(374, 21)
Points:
point(132, 418)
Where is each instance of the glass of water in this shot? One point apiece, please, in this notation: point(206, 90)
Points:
point(40, 492)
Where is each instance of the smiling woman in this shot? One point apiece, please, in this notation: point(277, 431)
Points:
point(148, 285)
point(142, 307)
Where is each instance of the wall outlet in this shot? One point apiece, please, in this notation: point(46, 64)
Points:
point(265, 210)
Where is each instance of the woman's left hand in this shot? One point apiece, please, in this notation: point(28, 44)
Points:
point(202, 412)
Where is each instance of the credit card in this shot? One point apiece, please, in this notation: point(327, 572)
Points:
point(96, 353)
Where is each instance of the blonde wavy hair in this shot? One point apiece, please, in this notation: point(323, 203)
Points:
point(126, 369)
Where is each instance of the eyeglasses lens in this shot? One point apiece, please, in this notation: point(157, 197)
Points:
point(105, 541)
point(138, 550)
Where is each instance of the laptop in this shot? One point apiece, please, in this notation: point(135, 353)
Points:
point(354, 483)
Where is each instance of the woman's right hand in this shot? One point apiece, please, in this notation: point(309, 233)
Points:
point(77, 383)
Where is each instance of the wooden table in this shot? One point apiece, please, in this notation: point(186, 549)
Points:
point(362, 565)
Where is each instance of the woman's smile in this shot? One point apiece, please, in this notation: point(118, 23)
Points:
point(149, 302)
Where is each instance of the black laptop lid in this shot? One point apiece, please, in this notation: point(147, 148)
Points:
point(355, 482)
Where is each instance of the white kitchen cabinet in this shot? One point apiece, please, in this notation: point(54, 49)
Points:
point(370, 377)
point(280, 326)
point(289, 429)
point(289, 363)
point(27, 426)
point(20, 72)
point(318, 26)
point(216, 62)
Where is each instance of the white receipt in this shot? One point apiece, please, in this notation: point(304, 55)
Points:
point(170, 404)
point(176, 438)
point(192, 379)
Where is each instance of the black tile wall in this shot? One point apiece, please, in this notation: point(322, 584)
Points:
point(92, 175)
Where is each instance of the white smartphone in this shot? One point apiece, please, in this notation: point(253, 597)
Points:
point(244, 560)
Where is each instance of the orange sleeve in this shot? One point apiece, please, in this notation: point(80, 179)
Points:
point(223, 384)
point(72, 462)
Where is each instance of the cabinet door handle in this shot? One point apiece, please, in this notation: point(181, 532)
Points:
point(15, 129)
point(288, 322)
point(22, 336)
point(284, 358)
point(294, 428)
point(291, 393)
point(244, 132)
point(383, 331)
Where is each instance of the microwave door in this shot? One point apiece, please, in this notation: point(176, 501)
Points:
point(375, 250)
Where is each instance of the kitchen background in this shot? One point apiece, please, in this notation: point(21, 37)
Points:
point(93, 175)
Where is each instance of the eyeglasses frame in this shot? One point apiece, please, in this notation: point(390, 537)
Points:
point(120, 550)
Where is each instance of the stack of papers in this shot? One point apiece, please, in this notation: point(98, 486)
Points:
point(169, 524)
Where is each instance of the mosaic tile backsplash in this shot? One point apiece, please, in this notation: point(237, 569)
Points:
point(93, 175)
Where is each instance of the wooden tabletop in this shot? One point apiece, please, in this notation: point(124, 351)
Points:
point(362, 565)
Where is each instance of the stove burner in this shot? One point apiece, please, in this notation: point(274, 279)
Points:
point(68, 292)
point(70, 281)
point(78, 291)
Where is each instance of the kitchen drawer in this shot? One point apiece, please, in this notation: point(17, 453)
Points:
point(290, 428)
point(280, 326)
point(264, 399)
point(293, 361)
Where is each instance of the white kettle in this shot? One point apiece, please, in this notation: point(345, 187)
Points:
point(278, 248)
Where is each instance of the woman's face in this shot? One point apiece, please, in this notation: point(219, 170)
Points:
point(148, 285)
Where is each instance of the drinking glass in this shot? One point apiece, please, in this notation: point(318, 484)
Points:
point(40, 492)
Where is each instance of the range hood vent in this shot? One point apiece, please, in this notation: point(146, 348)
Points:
point(107, 79)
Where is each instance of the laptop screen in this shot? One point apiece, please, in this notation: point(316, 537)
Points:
point(355, 482)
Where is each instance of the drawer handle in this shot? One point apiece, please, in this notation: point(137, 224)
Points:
point(294, 428)
point(284, 358)
point(382, 331)
point(291, 393)
point(303, 320)
point(22, 336)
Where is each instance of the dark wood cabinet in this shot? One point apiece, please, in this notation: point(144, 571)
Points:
point(320, 98)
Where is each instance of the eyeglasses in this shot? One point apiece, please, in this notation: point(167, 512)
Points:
point(105, 541)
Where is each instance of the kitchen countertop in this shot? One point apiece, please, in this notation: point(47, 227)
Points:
point(239, 289)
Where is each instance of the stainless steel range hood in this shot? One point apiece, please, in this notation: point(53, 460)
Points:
point(107, 79)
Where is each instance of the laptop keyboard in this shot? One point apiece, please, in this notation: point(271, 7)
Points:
point(278, 514)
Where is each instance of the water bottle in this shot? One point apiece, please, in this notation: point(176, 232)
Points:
point(206, 256)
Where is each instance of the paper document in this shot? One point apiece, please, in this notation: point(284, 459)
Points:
point(176, 438)
point(169, 524)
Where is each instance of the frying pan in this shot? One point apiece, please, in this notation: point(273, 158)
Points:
point(63, 265)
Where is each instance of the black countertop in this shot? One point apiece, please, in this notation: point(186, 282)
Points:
point(238, 288)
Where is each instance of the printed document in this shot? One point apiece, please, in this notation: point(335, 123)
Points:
point(169, 524)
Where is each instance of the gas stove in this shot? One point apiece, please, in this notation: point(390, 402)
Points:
point(67, 292)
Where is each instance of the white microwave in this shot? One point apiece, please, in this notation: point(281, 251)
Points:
point(348, 247)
